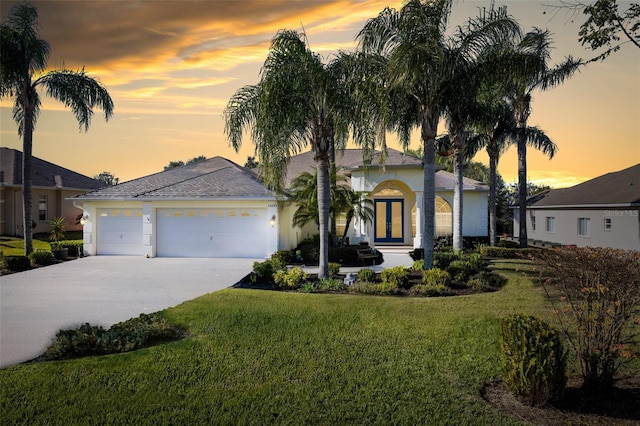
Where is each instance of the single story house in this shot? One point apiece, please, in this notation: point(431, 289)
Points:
point(52, 186)
point(216, 208)
point(601, 212)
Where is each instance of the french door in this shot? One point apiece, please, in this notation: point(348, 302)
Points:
point(389, 226)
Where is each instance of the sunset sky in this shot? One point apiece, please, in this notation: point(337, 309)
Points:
point(171, 67)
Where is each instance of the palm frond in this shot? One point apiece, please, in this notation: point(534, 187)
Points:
point(78, 91)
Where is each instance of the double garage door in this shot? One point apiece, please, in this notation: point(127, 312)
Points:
point(229, 232)
point(223, 232)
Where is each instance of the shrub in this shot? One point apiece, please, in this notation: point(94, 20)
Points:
point(436, 278)
point(290, 279)
point(329, 284)
point(284, 257)
point(42, 258)
point(373, 288)
point(508, 244)
point(486, 281)
point(266, 270)
point(533, 360)
point(442, 259)
point(75, 247)
point(599, 291)
point(129, 335)
point(334, 268)
point(308, 287)
point(417, 254)
point(475, 260)
point(398, 276)
point(366, 275)
point(505, 253)
point(17, 263)
point(425, 290)
point(461, 270)
point(418, 265)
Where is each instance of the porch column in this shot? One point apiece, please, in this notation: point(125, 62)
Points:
point(417, 240)
point(364, 227)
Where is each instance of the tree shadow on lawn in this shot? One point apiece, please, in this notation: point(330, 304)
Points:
point(620, 406)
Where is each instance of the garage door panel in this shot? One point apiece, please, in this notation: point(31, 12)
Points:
point(119, 232)
point(212, 233)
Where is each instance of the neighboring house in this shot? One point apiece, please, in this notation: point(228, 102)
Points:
point(601, 212)
point(52, 185)
point(216, 208)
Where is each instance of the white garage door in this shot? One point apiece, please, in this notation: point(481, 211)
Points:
point(229, 232)
point(119, 232)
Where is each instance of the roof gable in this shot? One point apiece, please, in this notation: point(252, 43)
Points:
point(616, 188)
point(212, 178)
point(45, 174)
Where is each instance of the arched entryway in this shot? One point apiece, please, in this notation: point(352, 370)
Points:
point(391, 201)
point(444, 218)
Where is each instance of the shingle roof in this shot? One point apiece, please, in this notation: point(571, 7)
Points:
point(45, 174)
point(351, 159)
point(616, 188)
point(216, 177)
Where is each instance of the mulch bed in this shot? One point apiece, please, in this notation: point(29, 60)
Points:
point(415, 277)
point(621, 406)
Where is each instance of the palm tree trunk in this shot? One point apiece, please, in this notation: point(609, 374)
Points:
point(457, 197)
point(522, 185)
point(324, 184)
point(27, 145)
point(429, 126)
point(332, 177)
point(493, 170)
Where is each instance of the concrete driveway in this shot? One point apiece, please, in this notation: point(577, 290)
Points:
point(101, 290)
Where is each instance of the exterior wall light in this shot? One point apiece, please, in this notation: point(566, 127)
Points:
point(272, 222)
point(84, 219)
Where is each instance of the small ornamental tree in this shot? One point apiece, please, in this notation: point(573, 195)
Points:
point(596, 295)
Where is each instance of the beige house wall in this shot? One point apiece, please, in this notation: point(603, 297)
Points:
point(624, 232)
point(57, 206)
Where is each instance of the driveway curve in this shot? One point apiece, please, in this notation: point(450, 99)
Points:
point(101, 290)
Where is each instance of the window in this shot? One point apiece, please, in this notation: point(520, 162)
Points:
point(341, 223)
point(533, 222)
point(607, 224)
point(584, 226)
point(550, 224)
point(42, 207)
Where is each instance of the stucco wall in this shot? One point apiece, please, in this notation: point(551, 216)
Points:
point(57, 205)
point(624, 232)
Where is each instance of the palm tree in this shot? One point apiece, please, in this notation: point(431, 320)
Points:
point(22, 73)
point(422, 63)
point(297, 103)
point(496, 131)
point(530, 55)
point(343, 200)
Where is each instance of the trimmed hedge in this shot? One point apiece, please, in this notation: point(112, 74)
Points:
point(41, 258)
point(505, 252)
point(17, 263)
point(75, 247)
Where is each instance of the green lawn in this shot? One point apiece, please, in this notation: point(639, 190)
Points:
point(11, 246)
point(262, 357)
